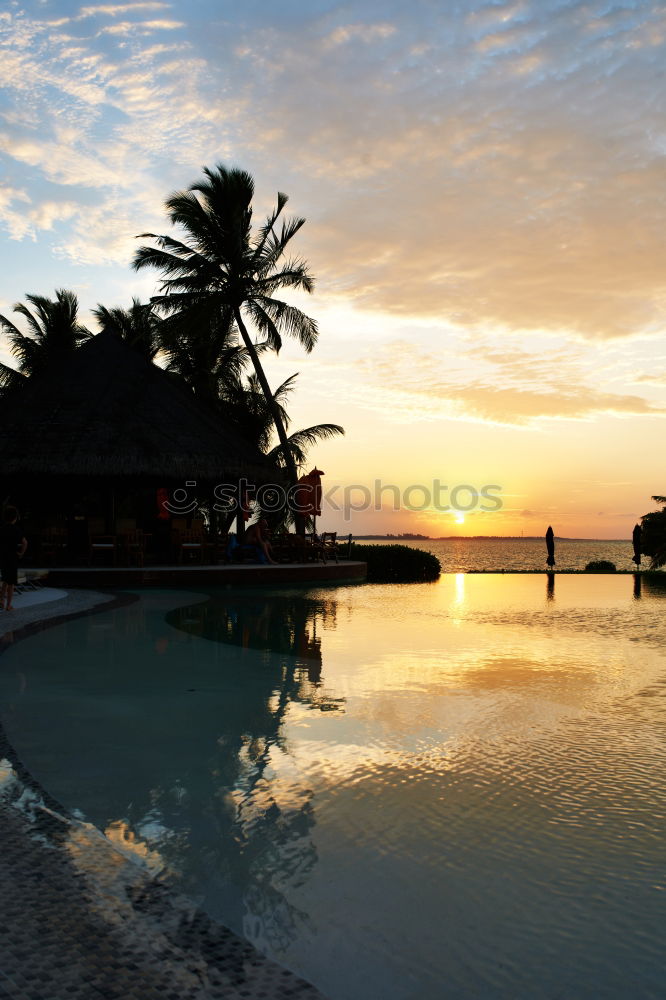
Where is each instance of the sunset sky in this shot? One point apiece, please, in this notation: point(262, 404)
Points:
point(484, 188)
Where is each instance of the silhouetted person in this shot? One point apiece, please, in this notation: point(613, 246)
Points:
point(12, 546)
point(257, 535)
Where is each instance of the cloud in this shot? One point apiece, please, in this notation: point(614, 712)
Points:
point(112, 10)
point(90, 122)
point(11, 217)
point(511, 387)
point(500, 169)
point(522, 188)
point(367, 33)
point(140, 27)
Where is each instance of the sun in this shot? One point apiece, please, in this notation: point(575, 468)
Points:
point(460, 518)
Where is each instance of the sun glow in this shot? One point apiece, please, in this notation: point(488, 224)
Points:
point(460, 518)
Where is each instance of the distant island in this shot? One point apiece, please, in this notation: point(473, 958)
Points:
point(405, 537)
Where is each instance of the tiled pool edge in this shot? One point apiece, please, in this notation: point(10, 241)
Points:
point(83, 920)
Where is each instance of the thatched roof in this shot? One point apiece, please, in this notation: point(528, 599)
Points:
point(107, 411)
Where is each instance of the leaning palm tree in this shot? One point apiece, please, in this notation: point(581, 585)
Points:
point(54, 332)
point(245, 406)
point(138, 326)
point(223, 267)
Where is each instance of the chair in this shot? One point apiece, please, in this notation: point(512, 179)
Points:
point(102, 545)
point(303, 549)
point(329, 547)
point(134, 547)
point(53, 546)
point(191, 544)
point(282, 550)
point(217, 546)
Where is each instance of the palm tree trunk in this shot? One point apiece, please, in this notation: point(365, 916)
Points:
point(292, 471)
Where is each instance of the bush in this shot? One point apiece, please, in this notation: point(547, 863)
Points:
point(600, 566)
point(653, 540)
point(397, 563)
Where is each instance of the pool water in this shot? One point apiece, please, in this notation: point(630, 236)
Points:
point(445, 790)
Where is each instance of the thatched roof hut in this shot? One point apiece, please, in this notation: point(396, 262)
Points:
point(108, 412)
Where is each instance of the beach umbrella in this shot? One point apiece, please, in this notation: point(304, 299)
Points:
point(636, 539)
point(550, 545)
point(307, 495)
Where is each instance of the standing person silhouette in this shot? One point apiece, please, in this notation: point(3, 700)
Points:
point(12, 546)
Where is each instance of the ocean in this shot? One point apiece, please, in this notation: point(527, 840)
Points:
point(514, 555)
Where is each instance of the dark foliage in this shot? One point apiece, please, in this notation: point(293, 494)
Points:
point(653, 537)
point(600, 566)
point(397, 563)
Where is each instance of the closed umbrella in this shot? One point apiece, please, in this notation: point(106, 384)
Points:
point(307, 495)
point(550, 545)
point(636, 539)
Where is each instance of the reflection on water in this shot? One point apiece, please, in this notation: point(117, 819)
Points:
point(468, 774)
point(550, 586)
point(285, 624)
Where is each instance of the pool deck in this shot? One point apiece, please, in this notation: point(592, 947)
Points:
point(86, 919)
point(231, 575)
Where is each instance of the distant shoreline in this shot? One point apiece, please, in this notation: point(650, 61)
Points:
point(479, 538)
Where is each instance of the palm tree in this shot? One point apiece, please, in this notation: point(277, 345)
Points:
point(138, 326)
point(205, 351)
point(224, 269)
point(253, 416)
point(54, 332)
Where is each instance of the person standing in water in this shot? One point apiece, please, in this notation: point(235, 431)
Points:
point(12, 546)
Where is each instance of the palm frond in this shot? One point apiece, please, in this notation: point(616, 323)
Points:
point(293, 275)
point(285, 389)
point(658, 559)
point(318, 432)
point(289, 320)
point(34, 324)
point(267, 228)
point(277, 242)
point(300, 441)
point(9, 328)
point(9, 377)
point(53, 330)
point(264, 324)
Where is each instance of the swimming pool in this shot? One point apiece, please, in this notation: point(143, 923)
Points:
point(454, 789)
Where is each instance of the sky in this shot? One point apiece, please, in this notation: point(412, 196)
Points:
point(483, 185)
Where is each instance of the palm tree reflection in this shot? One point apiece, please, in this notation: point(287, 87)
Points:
point(277, 623)
point(237, 825)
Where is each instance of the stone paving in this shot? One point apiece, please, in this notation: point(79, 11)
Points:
point(79, 919)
